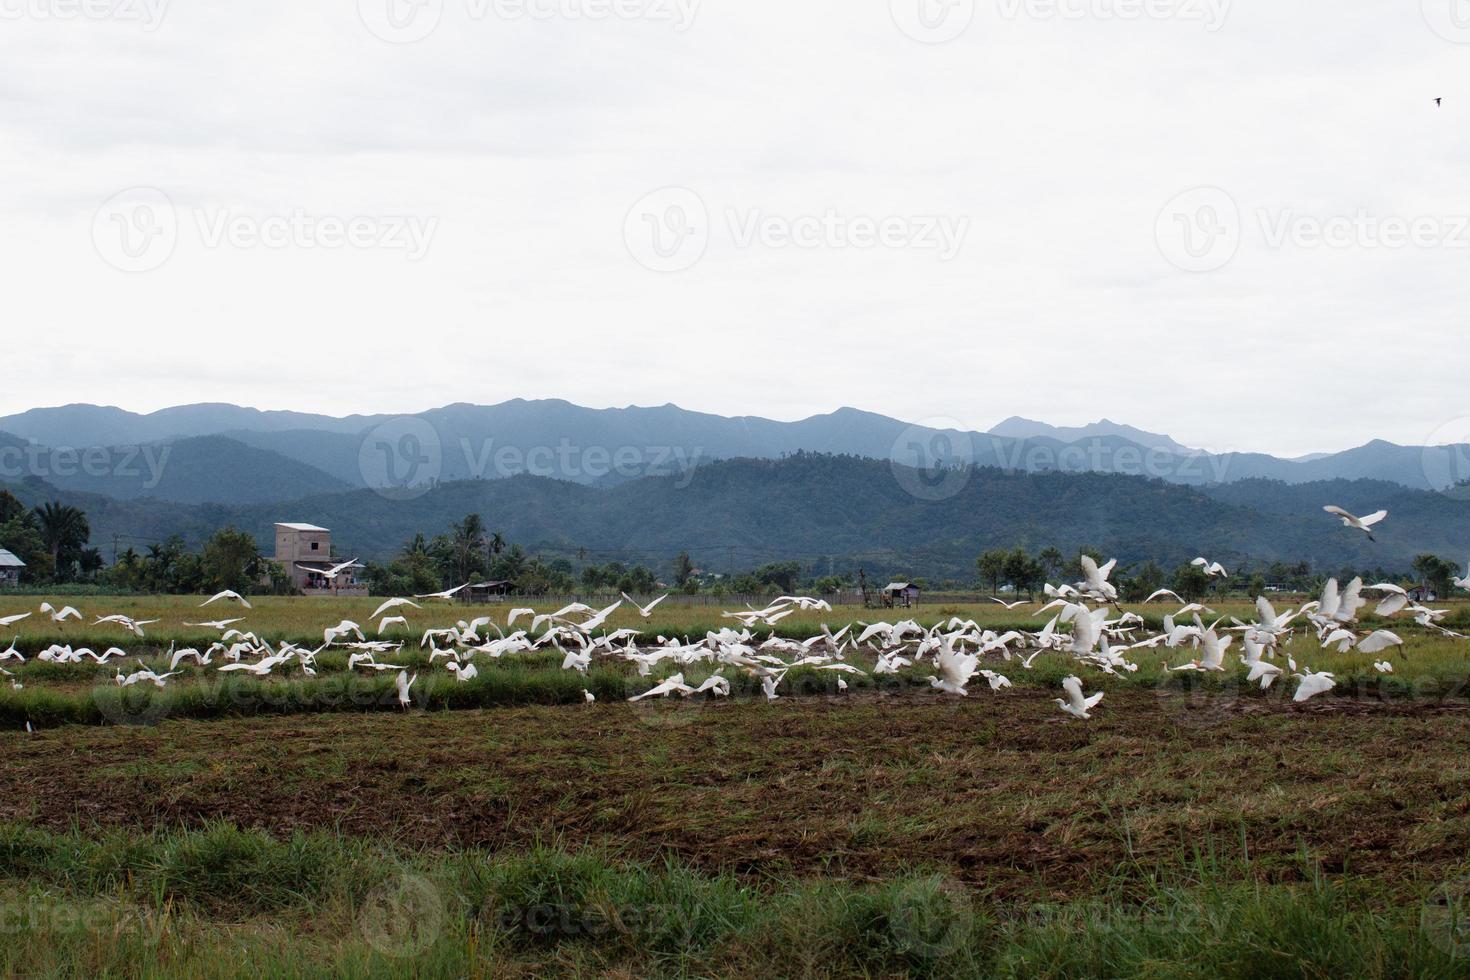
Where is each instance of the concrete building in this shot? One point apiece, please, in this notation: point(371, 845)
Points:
point(10, 567)
point(305, 552)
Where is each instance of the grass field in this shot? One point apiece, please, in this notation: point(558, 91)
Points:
point(504, 827)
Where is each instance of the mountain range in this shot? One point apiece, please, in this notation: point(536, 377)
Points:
point(230, 455)
point(839, 513)
point(641, 484)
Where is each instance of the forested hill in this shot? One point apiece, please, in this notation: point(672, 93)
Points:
point(847, 511)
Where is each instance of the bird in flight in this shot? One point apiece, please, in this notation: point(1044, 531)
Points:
point(1439, 101)
point(1364, 524)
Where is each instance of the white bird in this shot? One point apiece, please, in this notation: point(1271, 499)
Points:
point(394, 604)
point(159, 680)
point(1010, 605)
point(1265, 672)
point(345, 628)
point(674, 685)
point(12, 620)
point(1459, 583)
point(388, 621)
point(588, 696)
point(1383, 666)
point(1364, 524)
point(1379, 641)
point(402, 684)
point(996, 681)
point(60, 615)
point(1165, 592)
point(955, 671)
point(1213, 569)
point(228, 594)
point(330, 574)
point(1095, 578)
point(644, 611)
point(1312, 685)
point(446, 594)
point(1076, 703)
point(463, 672)
point(516, 614)
point(219, 624)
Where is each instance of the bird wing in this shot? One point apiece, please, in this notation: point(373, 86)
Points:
point(1373, 518)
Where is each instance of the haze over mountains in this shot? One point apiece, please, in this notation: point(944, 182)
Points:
point(642, 484)
point(228, 454)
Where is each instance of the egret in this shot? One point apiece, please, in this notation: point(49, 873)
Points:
point(60, 615)
point(446, 594)
point(229, 595)
point(394, 604)
point(644, 611)
point(1076, 703)
point(955, 671)
point(1312, 685)
point(1212, 569)
point(402, 684)
point(1364, 524)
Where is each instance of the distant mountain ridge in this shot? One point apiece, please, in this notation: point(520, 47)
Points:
point(840, 513)
point(1017, 427)
point(292, 455)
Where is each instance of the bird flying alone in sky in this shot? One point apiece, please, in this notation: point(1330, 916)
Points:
point(1364, 524)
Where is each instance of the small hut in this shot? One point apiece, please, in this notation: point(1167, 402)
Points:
point(10, 567)
point(904, 594)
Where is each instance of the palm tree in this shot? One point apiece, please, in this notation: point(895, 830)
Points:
point(64, 529)
point(467, 540)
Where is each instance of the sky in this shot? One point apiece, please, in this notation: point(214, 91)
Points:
point(1245, 224)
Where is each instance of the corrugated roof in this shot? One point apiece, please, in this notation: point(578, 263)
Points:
point(303, 527)
point(8, 560)
point(895, 586)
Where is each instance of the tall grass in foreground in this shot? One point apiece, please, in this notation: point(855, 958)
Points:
point(227, 902)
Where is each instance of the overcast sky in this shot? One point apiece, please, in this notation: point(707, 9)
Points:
point(1239, 223)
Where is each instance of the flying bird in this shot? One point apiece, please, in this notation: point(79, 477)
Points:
point(1076, 703)
point(1213, 569)
point(644, 611)
point(446, 594)
point(1364, 524)
point(228, 594)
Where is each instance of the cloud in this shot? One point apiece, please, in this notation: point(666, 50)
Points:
point(1057, 137)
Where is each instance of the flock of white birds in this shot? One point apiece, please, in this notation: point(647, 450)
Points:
point(1087, 626)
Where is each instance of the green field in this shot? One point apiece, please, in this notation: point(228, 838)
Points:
point(505, 827)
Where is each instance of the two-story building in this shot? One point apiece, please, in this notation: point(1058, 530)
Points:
point(305, 552)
